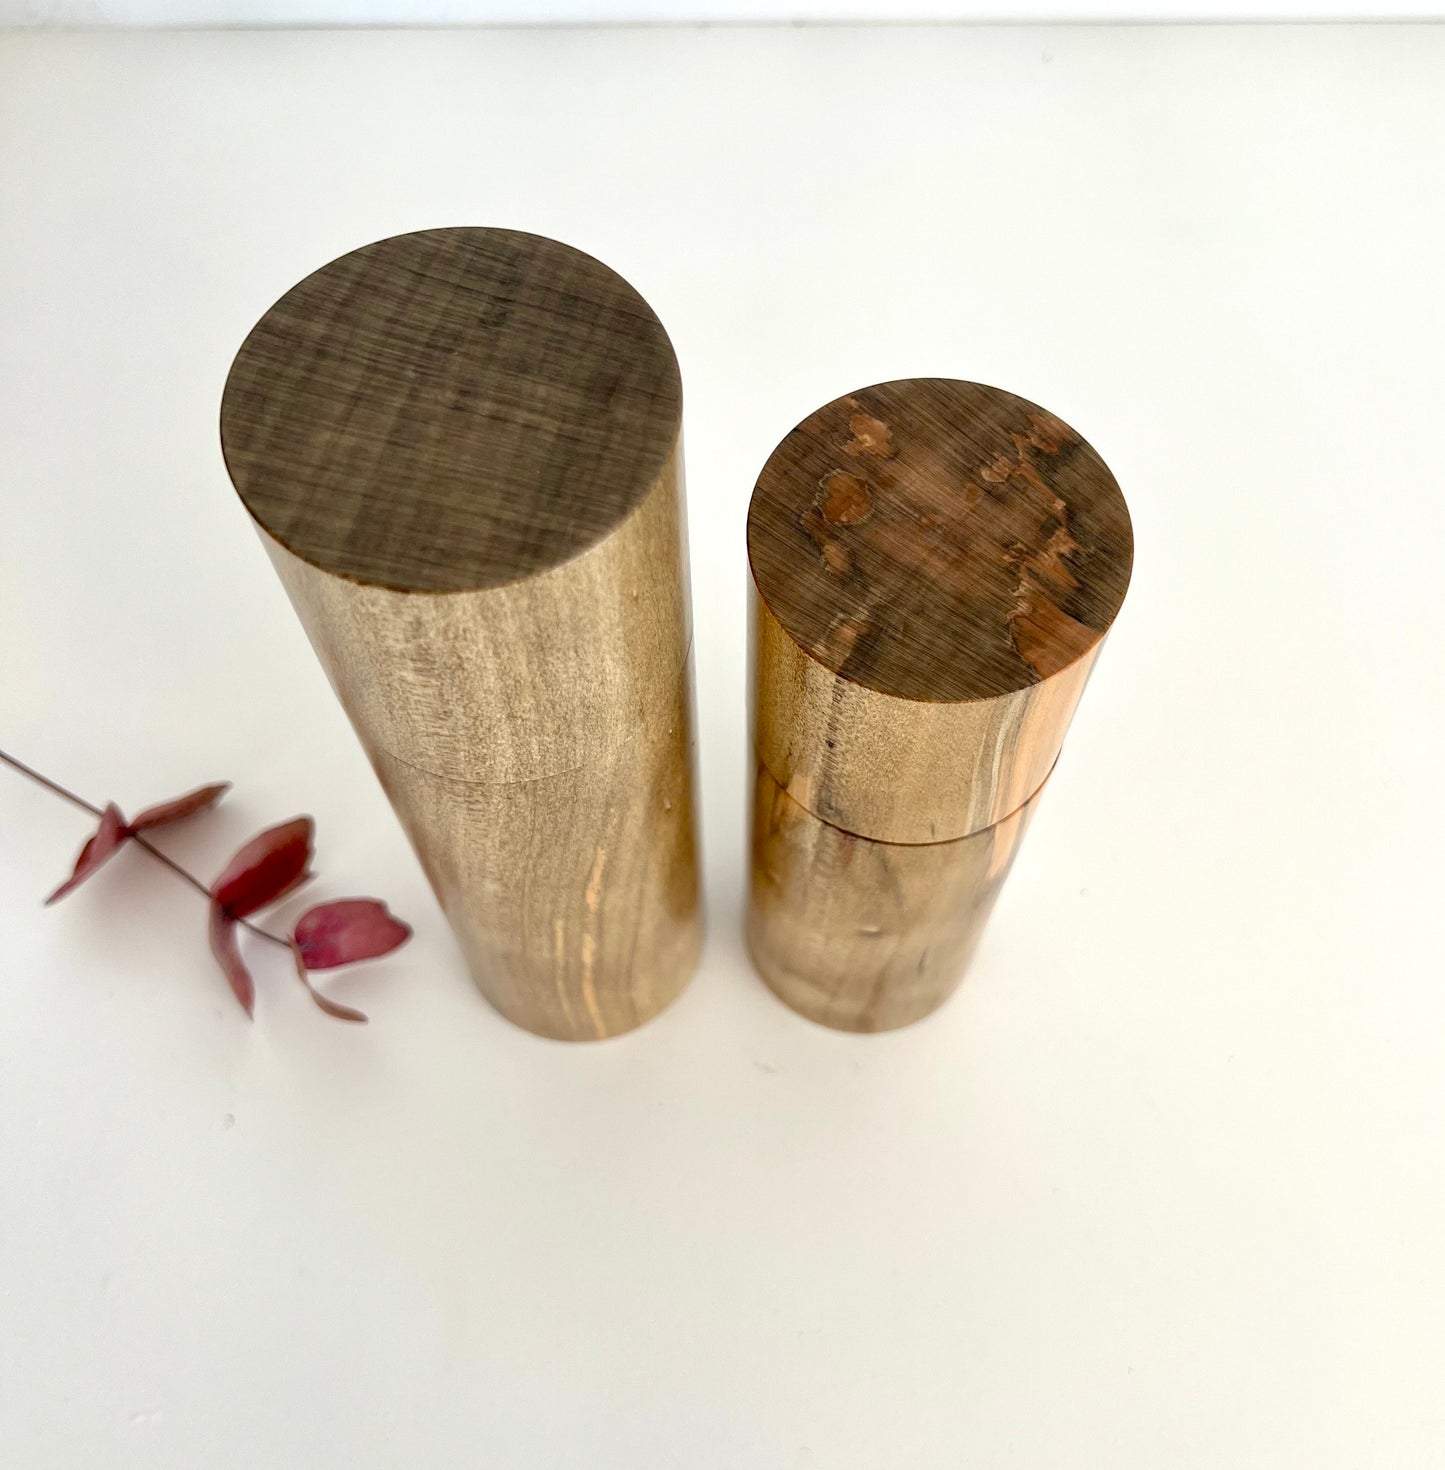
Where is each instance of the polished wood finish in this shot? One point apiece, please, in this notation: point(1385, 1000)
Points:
point(867, 936)
point(935, 567)
point(902, 770)
point(462, 451)
point(936, 564)
point(939, 541)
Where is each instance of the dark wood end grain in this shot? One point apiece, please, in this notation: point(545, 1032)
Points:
point(450, 410)
point(939, 540)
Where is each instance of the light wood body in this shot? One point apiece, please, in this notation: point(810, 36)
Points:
point(535, 740)
point(867, 936)
point(935, 567)
point(900, 770)
point(463, 452)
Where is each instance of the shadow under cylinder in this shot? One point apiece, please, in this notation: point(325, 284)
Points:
point(462, 449)
point(935, 566)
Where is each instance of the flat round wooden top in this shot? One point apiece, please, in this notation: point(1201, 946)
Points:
point(450, 410)
point(939, 540)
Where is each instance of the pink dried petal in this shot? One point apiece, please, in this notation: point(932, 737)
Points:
point(109, 838)
point(166, 812)
point(331, 1007)
point(228, 955)
point(265, 868)
point(346, 931)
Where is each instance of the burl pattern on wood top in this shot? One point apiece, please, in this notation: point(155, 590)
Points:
point(939, 540)
point(451, 410)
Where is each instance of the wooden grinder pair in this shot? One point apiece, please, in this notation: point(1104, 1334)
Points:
point(462, 449)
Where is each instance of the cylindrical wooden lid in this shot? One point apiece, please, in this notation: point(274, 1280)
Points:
point(936, 565)
point(464, 429)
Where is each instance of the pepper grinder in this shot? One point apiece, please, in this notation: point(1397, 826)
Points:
point(935, 566)
point(462, 450)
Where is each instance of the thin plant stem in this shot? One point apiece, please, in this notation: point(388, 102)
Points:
point(138, 839)
point(50, 785)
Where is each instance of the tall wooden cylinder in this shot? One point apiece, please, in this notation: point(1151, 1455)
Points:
point(935, 566)
point(462, 450)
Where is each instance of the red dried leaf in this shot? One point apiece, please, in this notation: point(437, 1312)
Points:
point(331, 1007)
point(265, 868)
point(346, 931)
point(228, 955)
point(166, 812)
point(299, 881)
point(109, 838)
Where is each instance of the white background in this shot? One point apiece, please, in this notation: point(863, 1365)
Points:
point(532, 12)
point(1162, 1187)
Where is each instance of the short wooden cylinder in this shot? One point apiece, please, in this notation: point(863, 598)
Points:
point(935, 566)
point(462, 450)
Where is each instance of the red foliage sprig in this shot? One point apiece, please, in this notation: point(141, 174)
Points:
point(268, 868)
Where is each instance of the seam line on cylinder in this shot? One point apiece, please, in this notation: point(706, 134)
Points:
point(762, 765)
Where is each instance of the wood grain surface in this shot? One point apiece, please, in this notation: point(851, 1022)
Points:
point(936, 564)
point(867, 936)
point(464, 458)
point(575, 896)
point(935, 567)
point(938, 540)
point(450, 410)
point(902, 770)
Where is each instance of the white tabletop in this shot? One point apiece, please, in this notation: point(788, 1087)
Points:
point(1161, 1187)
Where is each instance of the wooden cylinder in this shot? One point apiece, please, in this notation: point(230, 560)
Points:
point(935, 566)
point(462, 450)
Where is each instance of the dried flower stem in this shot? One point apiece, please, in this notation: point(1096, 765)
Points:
point(137, 838)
